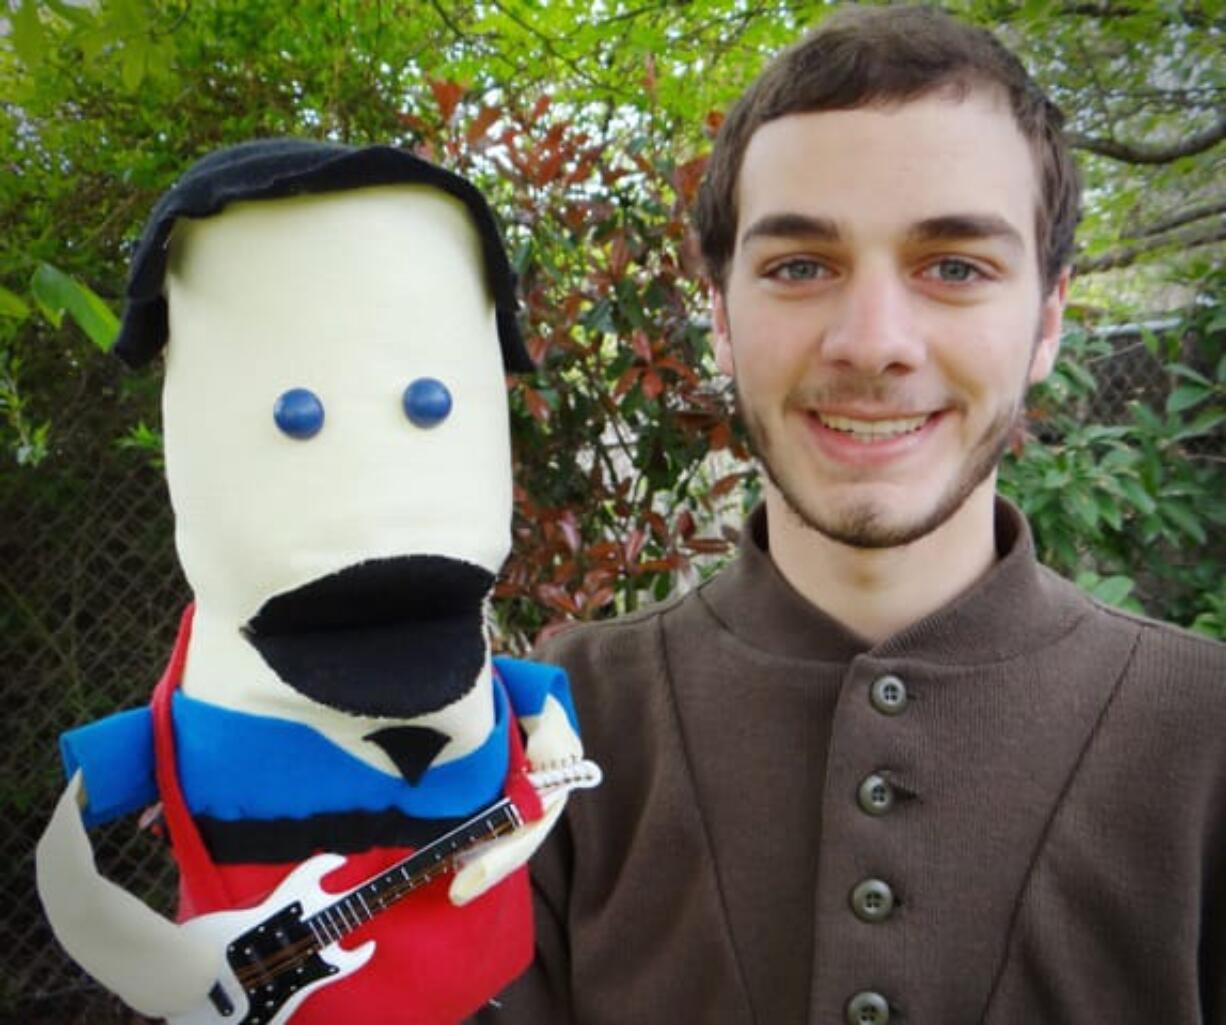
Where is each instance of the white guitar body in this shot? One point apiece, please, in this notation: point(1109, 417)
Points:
point(300, 889)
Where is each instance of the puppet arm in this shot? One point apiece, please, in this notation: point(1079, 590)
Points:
point(147, 960)
point(540, 697)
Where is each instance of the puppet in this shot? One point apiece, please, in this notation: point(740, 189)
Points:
point(336, 326)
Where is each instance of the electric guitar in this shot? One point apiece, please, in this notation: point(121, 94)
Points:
point(278, 953)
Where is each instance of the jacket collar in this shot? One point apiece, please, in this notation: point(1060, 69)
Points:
point(1017, 606)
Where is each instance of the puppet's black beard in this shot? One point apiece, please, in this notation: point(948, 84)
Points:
point(396, 637)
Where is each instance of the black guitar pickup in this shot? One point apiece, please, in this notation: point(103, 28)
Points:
point(218, 998)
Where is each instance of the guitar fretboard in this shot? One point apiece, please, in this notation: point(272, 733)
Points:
point(360, 905)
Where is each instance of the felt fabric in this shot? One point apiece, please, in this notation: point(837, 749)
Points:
point(1057, 844)
point(435, 963)
point(393, 637)
point(115, 755)
point(277, 168)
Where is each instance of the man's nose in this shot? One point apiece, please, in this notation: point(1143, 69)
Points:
point(874, 327)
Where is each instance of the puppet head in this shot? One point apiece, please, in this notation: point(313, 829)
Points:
point(337, 324)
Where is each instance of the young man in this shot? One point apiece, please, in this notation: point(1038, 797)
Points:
point(885, 767)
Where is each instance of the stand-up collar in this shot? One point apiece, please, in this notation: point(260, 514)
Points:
point(1017, 606)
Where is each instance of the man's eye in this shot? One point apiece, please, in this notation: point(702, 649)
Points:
point(798, 270)
point(952, 272)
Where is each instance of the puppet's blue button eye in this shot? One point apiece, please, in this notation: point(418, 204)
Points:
point(299, 413)
point(427, 402)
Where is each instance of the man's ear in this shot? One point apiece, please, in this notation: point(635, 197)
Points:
point(721, 337)
point(1051, 322)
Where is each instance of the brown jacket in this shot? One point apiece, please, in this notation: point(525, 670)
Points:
point(1048, 814)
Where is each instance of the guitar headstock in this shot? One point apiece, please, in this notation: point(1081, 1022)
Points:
point(581, 774)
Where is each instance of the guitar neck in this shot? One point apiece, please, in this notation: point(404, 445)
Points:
point(360, 905)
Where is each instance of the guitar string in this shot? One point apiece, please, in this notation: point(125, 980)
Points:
point(290, 957)
point(287, 958)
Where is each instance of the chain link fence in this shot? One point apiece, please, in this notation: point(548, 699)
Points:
point(90, 593)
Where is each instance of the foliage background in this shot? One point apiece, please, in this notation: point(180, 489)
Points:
point(587, 124)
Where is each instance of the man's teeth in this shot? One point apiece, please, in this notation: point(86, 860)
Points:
point(873, 428)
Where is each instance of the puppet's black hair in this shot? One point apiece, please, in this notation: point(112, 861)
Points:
point(276, 168)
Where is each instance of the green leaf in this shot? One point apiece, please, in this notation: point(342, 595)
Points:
point(1137, 495)
point(1113, 590)
point(27, 35)
point(12, 305)
point(1145, 417)
point(57, 293)
point(1206, 422)
point(1185, 520)
point(1083, 508)
point(1186, 396)
point(1186, 372)
point(1109, 510)
point(135, 63)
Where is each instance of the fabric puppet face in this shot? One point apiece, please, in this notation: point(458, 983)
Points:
point(337, 444)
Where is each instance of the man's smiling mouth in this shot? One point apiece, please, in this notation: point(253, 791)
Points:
point(873, 430)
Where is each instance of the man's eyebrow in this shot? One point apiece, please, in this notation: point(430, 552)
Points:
point(792, 225)
point(961, 227)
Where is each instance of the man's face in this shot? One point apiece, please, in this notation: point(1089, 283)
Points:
point(882, 314)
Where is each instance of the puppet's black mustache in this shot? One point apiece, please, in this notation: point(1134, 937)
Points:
point(376, 592)
point(394, 637)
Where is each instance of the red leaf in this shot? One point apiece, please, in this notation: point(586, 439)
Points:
point(601, 598)
point(486, 116)
point(619, 256)
point(720, 436)
point(626, 381)
point(725, 484)
point(707, 545)
point(652, 384)
point(447, 95)
point(538, 408)
point(538, 109)
point(582, 170)
point(685, 523)
point(712, 122)
point(604, 551)
point(678, 368)
point(555, 596)
point(687, 178)
point(570, 531)
point(548, 170)
point(634, 544)
point(538, 345)
point(641, 346)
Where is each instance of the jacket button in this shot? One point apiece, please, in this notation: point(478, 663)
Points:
point(876, 794)
point(888, 695)
point(867, 1008)
point(872, 901)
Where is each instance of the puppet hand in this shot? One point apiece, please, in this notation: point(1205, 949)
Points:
point(499, 858)
point(552, 743)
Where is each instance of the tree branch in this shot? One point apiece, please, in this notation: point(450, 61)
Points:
point(1177, 220)
point(1125, 256)
point(1136, 153)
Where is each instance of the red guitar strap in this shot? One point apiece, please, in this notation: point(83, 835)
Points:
point(201, 888)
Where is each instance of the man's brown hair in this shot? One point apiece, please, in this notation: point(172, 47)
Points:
point(864, 56)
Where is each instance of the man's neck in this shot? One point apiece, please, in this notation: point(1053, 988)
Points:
point(876, 593)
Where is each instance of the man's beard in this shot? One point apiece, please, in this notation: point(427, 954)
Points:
point(861, 525)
